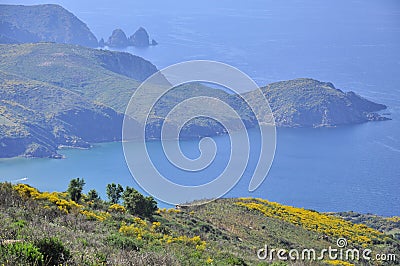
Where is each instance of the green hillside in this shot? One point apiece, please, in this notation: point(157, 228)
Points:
point(52, 94)
point(311, 103)
point(60, 94)
point(103, 76)
point(46, 23)
point(223, 232)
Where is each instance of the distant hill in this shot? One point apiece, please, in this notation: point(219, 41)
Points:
point(57, 94)
point(99, 75)
point(51, 94)
point(311, 103)
point(46, 23)
point(36, 118)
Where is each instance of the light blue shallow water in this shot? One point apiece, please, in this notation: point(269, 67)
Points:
point(333, 169)
point(354, 44)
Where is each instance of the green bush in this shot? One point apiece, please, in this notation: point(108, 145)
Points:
point(235, 261)
point(75, 189)
point(20, 253)
point(114, 192)
point(93, 195)
point(137, 204)
point(278, 263)
point(124, 242)
point(53, 250)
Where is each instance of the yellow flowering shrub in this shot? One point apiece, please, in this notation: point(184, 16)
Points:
point(101, 216)
point(117, 208)
point(141, 230)
point(190, 241)
point(155, 225)
point(54, 197)
point(338, 262)
point(314, 221)
point(137, 229)
point(26, 191)
point(63, 204)
point(173, 211)
point(163, 210)
point(395, 219)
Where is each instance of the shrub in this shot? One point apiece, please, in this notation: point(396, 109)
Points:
point(20, 253)
point(236, 261)
point(93, 195)
point(101, 216)
point(8, 196)
point(137, 204)
point(53, 250)
point(75, 189)
point(310, 220)
point(114, 192)
point(124, 242)
point(117, 208)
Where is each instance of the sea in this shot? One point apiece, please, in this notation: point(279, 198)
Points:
point(352, 43)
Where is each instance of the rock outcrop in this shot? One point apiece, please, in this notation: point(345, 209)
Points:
point(140, 38)
point(118, 39)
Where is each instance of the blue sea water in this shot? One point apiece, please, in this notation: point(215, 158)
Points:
point(354, 44)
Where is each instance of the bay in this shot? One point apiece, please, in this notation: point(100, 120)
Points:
point(354, 44)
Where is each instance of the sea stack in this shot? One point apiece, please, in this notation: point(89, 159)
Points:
point(118, 39)
point(140, 38)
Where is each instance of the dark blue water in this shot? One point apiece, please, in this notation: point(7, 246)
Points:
point(354, 44)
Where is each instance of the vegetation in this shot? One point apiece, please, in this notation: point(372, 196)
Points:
point(55, 95)
point(50, 23)
point(48, 228)
point(21, 253)
point(93, 195)
point(306, 102)
point(53, 251)
point(114, 192)
point(358, 234)
point(75, 189)
point(389, 225)
point(45, 104)
point(137, 204)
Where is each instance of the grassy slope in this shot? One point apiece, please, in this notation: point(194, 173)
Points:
point(37, 117)
point(107, 78)
point(57, 94)
point(223, 232)
point(51, 23)
point(41, 80)
point(311, 103)
point(94, 74)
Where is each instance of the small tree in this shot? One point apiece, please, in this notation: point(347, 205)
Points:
point(94, 198)
point(75, 189)
point(114, 192)
point(137, 204)
point(93, 195)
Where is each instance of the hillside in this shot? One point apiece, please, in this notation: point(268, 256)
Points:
point(100, 83)
point(43, 117)
point(223, 232)
point(54, 98)
point(311, 103)
point(46, 23)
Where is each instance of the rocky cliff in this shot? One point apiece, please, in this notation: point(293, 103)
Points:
point(46, 23)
